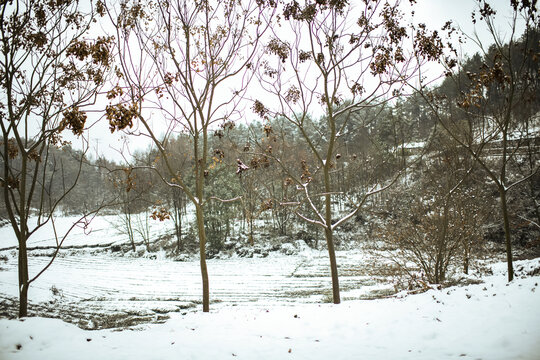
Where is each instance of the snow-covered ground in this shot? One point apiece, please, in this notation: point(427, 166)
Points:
point(493, 320)
point(99, 231)
point(262, 308)
point(97, 282)
point(106, 284)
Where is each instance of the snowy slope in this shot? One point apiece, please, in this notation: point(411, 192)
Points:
point(101, 230)
point(490, 321)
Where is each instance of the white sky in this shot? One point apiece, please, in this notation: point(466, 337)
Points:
point(434, 13)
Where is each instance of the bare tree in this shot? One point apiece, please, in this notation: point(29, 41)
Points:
point(437, 227)
point(496, 102)
point(127, 191)
point(340, 58)
point(49, 70)
point(186, 63)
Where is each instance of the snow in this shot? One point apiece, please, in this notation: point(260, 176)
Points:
point(412, 145)
point(493, 320)
point(261, 308)
point(104, 230)
point(117, 283)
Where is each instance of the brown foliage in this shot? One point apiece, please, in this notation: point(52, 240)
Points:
point(120, 116)
point(74, 120)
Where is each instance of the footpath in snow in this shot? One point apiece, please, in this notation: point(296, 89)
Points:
point(490, 321)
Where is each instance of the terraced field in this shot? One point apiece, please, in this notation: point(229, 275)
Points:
point(84, 288)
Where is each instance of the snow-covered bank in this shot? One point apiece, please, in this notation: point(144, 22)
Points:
point(493, 320)
point(88, 232)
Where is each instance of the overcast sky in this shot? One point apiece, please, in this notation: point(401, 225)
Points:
point(433, 13)
point(436, 12)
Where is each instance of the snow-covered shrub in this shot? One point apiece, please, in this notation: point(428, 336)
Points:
point(289, 249)
point(308, 238)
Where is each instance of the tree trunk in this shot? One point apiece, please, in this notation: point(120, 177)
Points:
point(177, 218)
point(23, 277)
point(202, 252)
point(333, 265)
point(250, 224)
point(507, 236)
point(329, 234)
point(466, 254)
point(466, 264)
point(130, 232)
point(178, 228)
point(146, 231)
point(23, 237)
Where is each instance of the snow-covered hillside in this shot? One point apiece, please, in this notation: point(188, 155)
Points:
point(101, 230)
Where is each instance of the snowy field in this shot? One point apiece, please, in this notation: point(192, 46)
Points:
point(490, 321)
point(94, 288)
point(261, 308)
point(103, 284)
